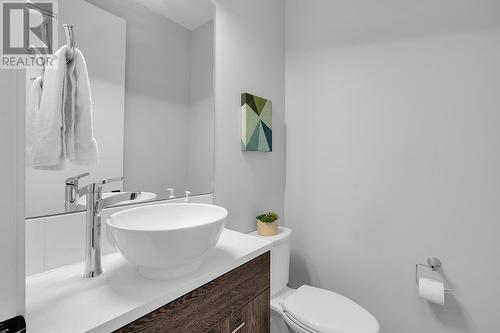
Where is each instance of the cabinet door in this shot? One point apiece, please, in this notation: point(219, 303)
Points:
point(255, 316)
point(222, 327)
point(208, 307)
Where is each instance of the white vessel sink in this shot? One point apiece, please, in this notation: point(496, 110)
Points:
point(143, 197)
point(166, 240)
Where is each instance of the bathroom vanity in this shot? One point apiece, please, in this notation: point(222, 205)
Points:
point(238, 301)
point(230, 292)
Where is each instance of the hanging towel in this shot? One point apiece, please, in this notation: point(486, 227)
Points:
point(63, 127)
point(80, 144)
point(47, 135)
point(34, 95)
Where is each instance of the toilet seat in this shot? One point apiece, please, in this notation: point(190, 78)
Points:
point(297, 326)
point(318, 310)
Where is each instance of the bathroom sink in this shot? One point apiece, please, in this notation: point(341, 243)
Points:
point(144, 196)
point(166, 240)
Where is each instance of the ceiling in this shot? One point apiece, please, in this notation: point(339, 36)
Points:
point(189, 13)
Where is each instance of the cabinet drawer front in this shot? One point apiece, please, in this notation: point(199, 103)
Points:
point(211, 304)
point(253, 317)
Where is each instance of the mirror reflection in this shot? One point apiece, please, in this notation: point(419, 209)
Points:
point(130, 105)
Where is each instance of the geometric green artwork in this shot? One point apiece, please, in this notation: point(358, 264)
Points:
point(256, 123)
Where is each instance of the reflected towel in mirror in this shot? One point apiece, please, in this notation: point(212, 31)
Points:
point(63, 129)
point(32, 108)
point(81, 146)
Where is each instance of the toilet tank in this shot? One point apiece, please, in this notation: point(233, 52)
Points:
point(280, 258)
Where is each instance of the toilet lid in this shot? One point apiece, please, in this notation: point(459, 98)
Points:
point(324, 311)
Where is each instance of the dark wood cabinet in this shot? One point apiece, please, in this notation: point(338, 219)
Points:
point(237, 301)
point(251, 318)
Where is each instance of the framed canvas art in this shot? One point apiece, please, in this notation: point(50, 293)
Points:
point(256, 123)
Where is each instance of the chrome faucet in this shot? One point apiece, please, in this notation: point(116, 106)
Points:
point(95, 204)
point(72, 192)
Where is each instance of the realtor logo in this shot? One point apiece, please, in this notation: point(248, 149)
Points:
point(27, 33)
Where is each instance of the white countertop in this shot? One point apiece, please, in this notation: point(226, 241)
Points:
point(62, 301)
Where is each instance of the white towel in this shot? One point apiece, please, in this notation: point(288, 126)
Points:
point(63, 127)
point(81, 146)
point(32, 108)
point(47, 148)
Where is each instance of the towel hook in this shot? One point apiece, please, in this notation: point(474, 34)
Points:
point(70, 42)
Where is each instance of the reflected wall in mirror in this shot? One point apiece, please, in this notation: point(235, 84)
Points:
point(150, 68)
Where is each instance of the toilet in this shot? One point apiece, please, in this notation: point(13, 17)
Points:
point(308, 309)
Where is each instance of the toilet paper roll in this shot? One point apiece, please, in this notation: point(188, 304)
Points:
point(431, 290)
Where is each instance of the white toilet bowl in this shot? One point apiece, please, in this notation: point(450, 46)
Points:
point(308, 309)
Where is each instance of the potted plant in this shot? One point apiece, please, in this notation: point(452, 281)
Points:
point(267, 224)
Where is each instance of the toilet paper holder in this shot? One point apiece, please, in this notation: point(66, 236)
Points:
point(434, 264)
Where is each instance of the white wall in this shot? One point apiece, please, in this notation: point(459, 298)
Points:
point(156, 100)
point(169, 102)
point(249, 52)
point(320, 24)
point(200, 135)
point(45, 189)
point(12, 195)
point(394, 155)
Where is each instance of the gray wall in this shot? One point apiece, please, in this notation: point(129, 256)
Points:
point(169, 102)
point(249, 58)
point(12, 117)
point(200, 136)
point(156, 103)
point(394, 155)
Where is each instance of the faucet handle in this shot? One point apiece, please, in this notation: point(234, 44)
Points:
point(107, 181)
point(98, 186)
point(74, 180)
point(111, 180)
point(186, 198)
point(119, 198)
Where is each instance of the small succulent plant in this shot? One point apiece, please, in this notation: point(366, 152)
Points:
point(268, 217)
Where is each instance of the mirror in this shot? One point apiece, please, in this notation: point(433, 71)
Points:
point(150, 69)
